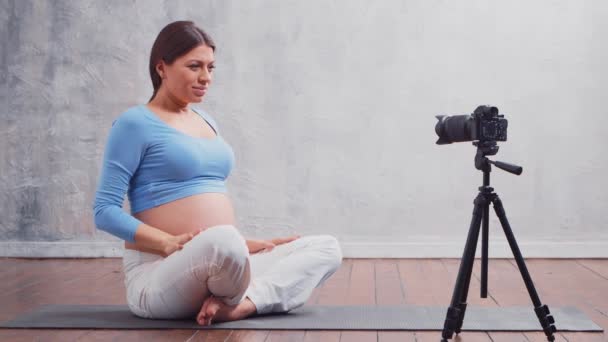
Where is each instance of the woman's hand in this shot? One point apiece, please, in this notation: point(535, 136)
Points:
point(257, 246)
point(175, 243)
point(262, 246)
point(280, 241)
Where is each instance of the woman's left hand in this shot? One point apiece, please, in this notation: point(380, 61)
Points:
point(257, 246)
point(280, 241)
point(262, 246)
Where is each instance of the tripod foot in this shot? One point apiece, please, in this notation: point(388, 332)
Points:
point(463, 308)
point(453, 321)
point(546, 321)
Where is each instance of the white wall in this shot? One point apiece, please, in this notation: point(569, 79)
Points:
point(330, 109)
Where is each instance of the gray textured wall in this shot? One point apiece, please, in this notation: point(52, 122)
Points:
point(330, 108)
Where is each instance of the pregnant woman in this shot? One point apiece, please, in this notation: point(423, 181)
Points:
point(183, 256)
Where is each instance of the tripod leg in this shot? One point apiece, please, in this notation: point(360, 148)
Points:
point(485, 207)
point(455, 314)
point(542, 311)
point(484, 250)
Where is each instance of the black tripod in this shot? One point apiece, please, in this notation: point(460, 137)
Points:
point(455, 314)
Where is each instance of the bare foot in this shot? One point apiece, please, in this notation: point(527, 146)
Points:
point(215, 310)
point(210, 307)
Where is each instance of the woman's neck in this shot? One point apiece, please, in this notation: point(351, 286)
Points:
point(168, 103)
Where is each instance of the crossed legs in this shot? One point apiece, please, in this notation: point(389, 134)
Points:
point(215, 279)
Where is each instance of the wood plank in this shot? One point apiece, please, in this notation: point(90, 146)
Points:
point(51, 291)
point(37, 272)
point(322, 336)
point(438, 281)
point(359, 336)
point(361, 291)
point(335, 289)
point(8, 266)
point(362, 283)
point(414, 282)
point(599, 266)
point(540, 337)
point(211, 336)
point(497, 336)
point(73, 279)
point(396, 336)
point(389, 291)
point(388, 283)
point(248, 336)
point(465, 336)
point(584, 337)
point(285, 336)
point(27, 335)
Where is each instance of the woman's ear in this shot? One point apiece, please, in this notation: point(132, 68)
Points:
point(160, 69)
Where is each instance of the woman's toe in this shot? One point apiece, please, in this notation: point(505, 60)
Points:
point(208, 310)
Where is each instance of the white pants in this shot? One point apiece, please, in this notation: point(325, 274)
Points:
point(217, 262)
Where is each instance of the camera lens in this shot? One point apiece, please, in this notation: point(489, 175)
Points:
point(454, 128)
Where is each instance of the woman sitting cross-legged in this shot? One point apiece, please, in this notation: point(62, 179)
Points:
point(183, 255)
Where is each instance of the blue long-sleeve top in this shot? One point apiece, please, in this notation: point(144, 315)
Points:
point(155, 163)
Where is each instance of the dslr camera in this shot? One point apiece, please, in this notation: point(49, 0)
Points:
point(485, 125)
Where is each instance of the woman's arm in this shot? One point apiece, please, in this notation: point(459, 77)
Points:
point(125, 147)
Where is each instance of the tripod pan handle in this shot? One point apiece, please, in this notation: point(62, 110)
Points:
point(511, 168)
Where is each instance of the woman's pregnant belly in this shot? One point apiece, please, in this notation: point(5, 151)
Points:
point(188, 214)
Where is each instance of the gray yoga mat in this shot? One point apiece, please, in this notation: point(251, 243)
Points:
point(310, 318)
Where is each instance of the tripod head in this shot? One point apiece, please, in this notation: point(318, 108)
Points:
point(490, 148)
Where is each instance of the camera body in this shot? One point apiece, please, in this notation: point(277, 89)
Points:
point(490, 126)
point(484, 125)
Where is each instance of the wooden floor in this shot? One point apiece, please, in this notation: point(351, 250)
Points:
point(28, 283)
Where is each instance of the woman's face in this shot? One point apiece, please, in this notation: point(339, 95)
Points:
point(187, 79)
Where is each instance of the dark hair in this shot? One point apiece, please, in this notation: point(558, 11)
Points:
point(173, 41)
